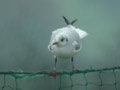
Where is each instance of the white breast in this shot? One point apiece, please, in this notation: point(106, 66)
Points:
point(63, 52)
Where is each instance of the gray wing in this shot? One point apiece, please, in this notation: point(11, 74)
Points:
point(77, 46)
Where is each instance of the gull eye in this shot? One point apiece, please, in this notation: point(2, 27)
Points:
point(62, 40)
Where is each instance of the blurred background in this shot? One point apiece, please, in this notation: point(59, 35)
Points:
point(25, 30)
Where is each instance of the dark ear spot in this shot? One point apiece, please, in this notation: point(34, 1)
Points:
point(62, 39)
point(77, 47)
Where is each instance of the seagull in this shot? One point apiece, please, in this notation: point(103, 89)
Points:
point(65, 42)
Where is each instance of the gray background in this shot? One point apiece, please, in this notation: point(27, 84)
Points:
point(26, 26)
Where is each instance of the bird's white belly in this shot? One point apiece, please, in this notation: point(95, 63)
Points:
point(63, 52)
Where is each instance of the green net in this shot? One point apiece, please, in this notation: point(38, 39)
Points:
point(78, 79)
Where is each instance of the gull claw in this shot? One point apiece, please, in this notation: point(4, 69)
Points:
point(53, 73)
point(73, 71)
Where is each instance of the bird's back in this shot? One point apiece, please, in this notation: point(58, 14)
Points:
point(68, 30)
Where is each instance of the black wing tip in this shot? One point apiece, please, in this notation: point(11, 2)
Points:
point(67, 22)
point(63, 17)
point(74, 21)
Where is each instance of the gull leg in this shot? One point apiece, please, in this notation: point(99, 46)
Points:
point(72, 65)
point(55, 63)
point(54, 73)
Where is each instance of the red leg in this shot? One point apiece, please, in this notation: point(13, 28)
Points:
point(72, 65)
point(54, 73)
point(55, 63)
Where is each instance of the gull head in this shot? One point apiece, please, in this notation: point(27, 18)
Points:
point(61, 40)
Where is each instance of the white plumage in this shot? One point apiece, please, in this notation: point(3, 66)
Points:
point(72, 46)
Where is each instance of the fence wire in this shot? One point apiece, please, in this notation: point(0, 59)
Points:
point(23, 75)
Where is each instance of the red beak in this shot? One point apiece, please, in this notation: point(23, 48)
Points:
point(55, 43)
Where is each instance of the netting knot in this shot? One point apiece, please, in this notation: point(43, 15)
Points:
point(115, 83)
point(3, 87)
point(86, 84)
point(72, 86)
point(101, 84)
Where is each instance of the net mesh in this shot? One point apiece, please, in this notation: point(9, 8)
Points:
point(75, 79)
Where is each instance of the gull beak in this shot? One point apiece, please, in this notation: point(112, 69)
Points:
point(55, 43)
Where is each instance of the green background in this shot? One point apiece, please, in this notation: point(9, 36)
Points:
point(26, 26)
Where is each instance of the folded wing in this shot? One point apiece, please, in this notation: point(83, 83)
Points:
point(81, 33)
